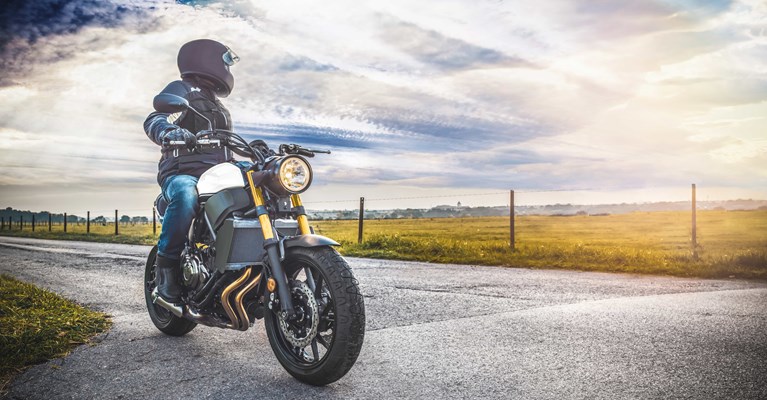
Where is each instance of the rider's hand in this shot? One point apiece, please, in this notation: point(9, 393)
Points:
point(180, 134)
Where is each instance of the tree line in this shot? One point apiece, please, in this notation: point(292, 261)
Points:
point(42, 216)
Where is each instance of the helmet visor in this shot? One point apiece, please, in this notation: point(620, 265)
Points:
point(230, 58)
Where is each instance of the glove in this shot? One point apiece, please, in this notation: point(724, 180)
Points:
point(179, 134)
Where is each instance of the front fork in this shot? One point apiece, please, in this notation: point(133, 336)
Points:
point(298, 209)
point(271, 243)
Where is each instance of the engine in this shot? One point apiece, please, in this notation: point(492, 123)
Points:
point(194, 272)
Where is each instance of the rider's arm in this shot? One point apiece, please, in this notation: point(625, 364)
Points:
point(158, 124)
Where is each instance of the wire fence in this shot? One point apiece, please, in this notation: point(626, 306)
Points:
point(361, 209)
point(65, 222)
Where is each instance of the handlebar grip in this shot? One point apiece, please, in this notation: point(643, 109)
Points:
point(305, 152)
point(200, 142)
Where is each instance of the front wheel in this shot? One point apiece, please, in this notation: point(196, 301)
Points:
point(322, 343)
point(162, 318)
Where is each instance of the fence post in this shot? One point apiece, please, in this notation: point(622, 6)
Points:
point(2, 223)
point(49, 222)
point(33, 222)
point(694, 225)
point(511, 221)
point(88, 223)
point(116, 220)
point(362, 218)
point(65, 222)
point(154, 221)
point(21, 222)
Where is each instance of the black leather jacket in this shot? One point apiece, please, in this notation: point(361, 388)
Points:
point(157, 124)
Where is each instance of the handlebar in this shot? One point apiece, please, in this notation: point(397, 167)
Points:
point(200, 142)
point(303, 151)
point(220, 138)
point(239, 146)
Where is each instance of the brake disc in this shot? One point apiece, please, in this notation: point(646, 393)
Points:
point(304, 298)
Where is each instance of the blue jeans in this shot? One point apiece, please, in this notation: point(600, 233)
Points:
point(181, 193)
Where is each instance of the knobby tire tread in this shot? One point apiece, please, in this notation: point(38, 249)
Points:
point(350, 310)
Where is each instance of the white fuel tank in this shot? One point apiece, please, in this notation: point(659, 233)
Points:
point(220, 177)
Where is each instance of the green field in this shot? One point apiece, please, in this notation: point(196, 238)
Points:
point(730, 243)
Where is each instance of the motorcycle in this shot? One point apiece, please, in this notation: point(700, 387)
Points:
point(251, 254)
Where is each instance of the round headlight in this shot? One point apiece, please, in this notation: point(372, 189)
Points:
point(295, 175)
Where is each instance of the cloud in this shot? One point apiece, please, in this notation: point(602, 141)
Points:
point(408, 95)
point(25, 26)
point(291, 63)
point(307, 135)
point(437, 50)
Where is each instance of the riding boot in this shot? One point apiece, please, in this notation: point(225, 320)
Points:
point(168, 286)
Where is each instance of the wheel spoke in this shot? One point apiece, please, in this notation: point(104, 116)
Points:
point(309, 279)
point(318, 287)
point(322, 341)
point(315, 350)
point(325, 311)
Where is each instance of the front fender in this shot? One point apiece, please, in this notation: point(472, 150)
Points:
point(309, 241)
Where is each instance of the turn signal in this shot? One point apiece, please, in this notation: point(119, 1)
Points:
point(271, 284)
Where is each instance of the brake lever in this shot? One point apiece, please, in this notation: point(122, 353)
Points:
point(297, 149)
point(319, 151)
point(305, 153)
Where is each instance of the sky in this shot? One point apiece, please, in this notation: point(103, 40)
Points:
point(421, 103)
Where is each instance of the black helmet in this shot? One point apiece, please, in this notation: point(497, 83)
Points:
point(210, 60)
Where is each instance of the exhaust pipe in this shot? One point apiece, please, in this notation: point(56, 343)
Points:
point(234, 308)
point(188, 313)
point(235, 321)
point(176, 310)
point(244, 320)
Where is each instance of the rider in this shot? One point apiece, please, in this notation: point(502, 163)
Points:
point(205, 76)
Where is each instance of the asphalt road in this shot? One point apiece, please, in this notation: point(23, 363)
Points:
point(433, 331)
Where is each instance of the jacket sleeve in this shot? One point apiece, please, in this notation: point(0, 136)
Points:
point(157, 124)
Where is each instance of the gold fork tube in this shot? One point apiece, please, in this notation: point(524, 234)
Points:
point(303, 222)
point(258, 200)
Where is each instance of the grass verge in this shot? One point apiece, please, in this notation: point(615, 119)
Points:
point(748, 264)
point(36, 325)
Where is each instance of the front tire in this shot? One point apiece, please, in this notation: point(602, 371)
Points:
point(340, 312)
point(163, 319)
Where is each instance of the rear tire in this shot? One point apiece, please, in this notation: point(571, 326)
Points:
point(344, 316)
point(163, 319)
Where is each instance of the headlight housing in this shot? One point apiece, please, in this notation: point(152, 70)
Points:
point(293, 174)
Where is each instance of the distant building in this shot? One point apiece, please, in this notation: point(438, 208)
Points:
point(445, 207)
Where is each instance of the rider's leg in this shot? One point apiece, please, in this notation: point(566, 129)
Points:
point(181, 193)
